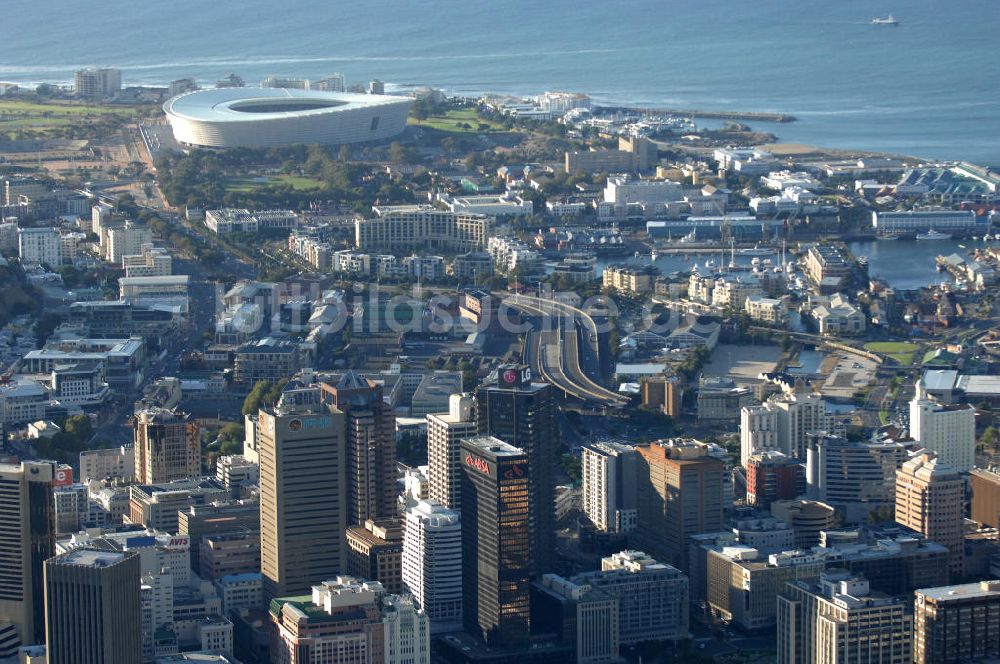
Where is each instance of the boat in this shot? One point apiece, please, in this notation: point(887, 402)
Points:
point(888, 20)
point(933, 234)
point(653, 255)
point(755, 262)
point(755, 250)
point(863, 261)
point(887, 237)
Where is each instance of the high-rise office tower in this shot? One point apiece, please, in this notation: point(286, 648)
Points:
point(93, 608)
point(758, 431)
point(496, 551)
point(930, 498)
point(167, 446)
point(838, 618)
point(783, 422)
point(27, 539)
point(432, 561)
point(303, 510)
point(445, 432)
point(522, 413)
point(948, 430)
point(679, 494)
point(370, 439)
point(957, 623)
point(609, 495)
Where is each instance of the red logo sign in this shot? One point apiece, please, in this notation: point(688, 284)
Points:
point(478, 464)
point(509, 376)
point(514, 472)
point(63, 476)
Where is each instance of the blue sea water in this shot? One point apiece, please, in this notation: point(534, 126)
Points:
point(930, 87)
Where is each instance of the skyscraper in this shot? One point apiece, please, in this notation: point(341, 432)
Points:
point(522, 413)
point(92, 608)
point(445, 432)
point(303, 511)
point(609, 496)
point(679, 494)
point(930, 498)
point(496, 552)
point(783, 423)
point(949, 430)
point(957, 623)
point(432, 561)
point(167, 446)
point(370, 439)
point(27, 539)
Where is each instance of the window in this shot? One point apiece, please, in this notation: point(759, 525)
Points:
point(374, 123)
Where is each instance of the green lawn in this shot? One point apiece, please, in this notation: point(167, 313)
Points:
point(17, 114)
point(453, 119)
point(901, 351)
point(248, 184)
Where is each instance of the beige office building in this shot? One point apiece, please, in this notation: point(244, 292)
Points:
point(930, 498)
point(445, 432)
point(167, 446)
point(303, 497)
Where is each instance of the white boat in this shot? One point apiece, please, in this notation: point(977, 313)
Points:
point(933, 234)
point(887, 237)
point(888, 20)
point(755, 262)
point(653, 255)
point(755, 250)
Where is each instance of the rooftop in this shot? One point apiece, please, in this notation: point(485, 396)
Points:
point(88, 558)
point(963, 591)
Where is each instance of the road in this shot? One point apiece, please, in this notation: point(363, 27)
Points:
point(552, 350)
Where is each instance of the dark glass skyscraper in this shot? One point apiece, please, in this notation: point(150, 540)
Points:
point(523, 413)
point(496, 557)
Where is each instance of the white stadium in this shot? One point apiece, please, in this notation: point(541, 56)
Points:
point(269, 117)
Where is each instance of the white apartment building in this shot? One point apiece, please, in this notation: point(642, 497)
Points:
point(948, 430)
point(241, 220)
point(609, 486)
point(496, 206)
point(125, 240)
point(758, 431)
point(170, 290)
point(113, 462)
point(149, 262)
point(445, 432)
point(39, 246)
point(624, 189)
point(766, 309)
point(432, 561)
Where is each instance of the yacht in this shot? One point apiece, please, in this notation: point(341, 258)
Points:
point(653, 255)
point(933, 234)
point(755, 250)
point(888, 20)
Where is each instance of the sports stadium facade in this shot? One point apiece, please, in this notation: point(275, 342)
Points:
point(270, 117)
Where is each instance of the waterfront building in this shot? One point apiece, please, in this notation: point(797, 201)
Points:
point(96, 84)
point(445, 432)
point(930, 499)
point(839, 317)
point(953, 624)
point(92, 608)
point(951, 222)
point(609, 487)
point(496, 541)
point(27, 539)
point(948, 430)
point(303, 496)
point(370, 440)
point(523, 413)
point(630, 279)
point(167, 446)
point(412, 227)
point(432, 562)
point(838, 618)
point(767, 310)
point(679, 494)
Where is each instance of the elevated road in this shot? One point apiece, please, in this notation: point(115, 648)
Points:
point(553, 349)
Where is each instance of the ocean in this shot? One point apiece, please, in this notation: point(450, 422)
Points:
point(929, 87)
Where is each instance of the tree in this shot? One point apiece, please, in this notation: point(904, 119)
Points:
point(253, 400)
